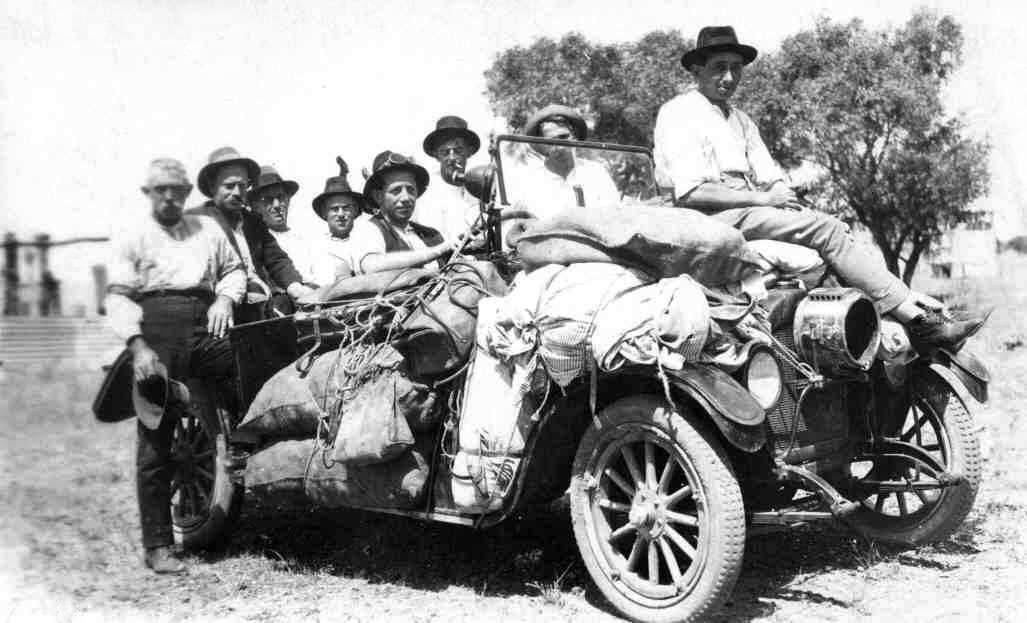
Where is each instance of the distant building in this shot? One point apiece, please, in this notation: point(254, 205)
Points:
point(968, 251)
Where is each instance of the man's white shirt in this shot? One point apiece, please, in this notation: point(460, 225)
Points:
point(528, 181)
point(300, 250)
point(694, 142)
point(445, 207)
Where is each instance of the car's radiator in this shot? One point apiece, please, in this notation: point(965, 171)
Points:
point(822, 426)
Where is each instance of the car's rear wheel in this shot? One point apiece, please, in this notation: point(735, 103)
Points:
point(204, 500)
point(657, 511)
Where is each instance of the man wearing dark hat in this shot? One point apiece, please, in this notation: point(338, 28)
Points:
point(447, 206)
point(390, 239)
point(225, 179)
point(174, 279)
point(269, 198)
point(339, 206)
point(550, 178)
point(712, 155)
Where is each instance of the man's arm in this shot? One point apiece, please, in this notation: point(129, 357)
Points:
point(378, 262)
point(714, 197)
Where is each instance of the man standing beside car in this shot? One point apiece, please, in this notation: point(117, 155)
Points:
point(174, 280)
point(713, 156)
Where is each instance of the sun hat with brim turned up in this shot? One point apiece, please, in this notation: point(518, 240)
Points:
point(449, 127)
point(391, 161)
point(223, 157)
point(269, 178)
point(533, 126)
point(713, 39)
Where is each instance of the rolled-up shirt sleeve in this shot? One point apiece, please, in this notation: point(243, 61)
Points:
point(366, 240)
point(229, 269)
point(123, 314)
point(685, 156)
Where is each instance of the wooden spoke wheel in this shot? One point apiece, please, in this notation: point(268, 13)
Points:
point(657, 513)
point(923, 496)
point(204, 500)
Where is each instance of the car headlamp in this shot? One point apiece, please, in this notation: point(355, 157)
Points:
point(762, 377)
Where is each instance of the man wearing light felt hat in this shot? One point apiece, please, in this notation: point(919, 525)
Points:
point(174, 280)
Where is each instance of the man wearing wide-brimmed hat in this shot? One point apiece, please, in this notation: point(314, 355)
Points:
point(390, 239)
point(339, 206)
point(712, 155)
point(174, 280)
point(225, 179)
point(550, 178)
point(446, 205)
point(269, 197)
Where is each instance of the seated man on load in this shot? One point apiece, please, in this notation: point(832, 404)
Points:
point(713, 156)
point(339, 206)
point(390, 240)
point(551, 178)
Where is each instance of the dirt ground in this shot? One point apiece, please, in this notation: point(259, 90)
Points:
point(69, 541)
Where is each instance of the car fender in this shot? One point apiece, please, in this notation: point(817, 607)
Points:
point(970, 371)
point(952, 380)
point(734, 411)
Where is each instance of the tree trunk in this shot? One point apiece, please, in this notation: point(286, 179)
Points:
point(919, 247)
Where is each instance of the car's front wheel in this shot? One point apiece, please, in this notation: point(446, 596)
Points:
point(657, 512)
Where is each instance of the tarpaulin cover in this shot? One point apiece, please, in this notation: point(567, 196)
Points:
point(662, 241)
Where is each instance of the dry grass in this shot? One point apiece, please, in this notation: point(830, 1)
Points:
point(69, 535)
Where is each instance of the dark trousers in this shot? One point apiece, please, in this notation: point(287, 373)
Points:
point(175, 327)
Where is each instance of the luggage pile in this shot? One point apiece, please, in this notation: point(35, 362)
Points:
point(356, 427)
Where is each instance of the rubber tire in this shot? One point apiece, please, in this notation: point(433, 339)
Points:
point(225, 497)
point(955, 502)
point(723, 497)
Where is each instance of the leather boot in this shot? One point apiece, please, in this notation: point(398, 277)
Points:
point(162, 560)
point(932, 330)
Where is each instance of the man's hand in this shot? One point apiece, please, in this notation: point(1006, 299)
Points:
point(297, 291)
point(219, 316)
point(144, 359)
point(781, 196)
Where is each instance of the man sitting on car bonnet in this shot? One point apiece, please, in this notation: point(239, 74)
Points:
point(713, 156)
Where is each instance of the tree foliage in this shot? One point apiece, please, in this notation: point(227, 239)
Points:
point(863, 107)
point(618, 86)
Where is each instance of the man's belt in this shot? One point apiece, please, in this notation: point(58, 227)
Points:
point(194, 293)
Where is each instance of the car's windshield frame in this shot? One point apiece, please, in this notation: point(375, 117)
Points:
point(497, 153)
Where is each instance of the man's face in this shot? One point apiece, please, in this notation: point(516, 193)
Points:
point(718, 78)
point(167, 200)
point(341, 211)
point(452, 156)
point(272, 204)
point(560, 156)
point(397, 196)
point(230, 186)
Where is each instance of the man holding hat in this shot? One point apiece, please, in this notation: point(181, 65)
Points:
point(225, 179)
point(550, 178)
point(174, 279)
point(390, 239)
point(269, 198)
point(713, 156)
point(339, 206)
point(448, 206)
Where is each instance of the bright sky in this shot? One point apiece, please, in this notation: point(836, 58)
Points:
point(90, 90)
